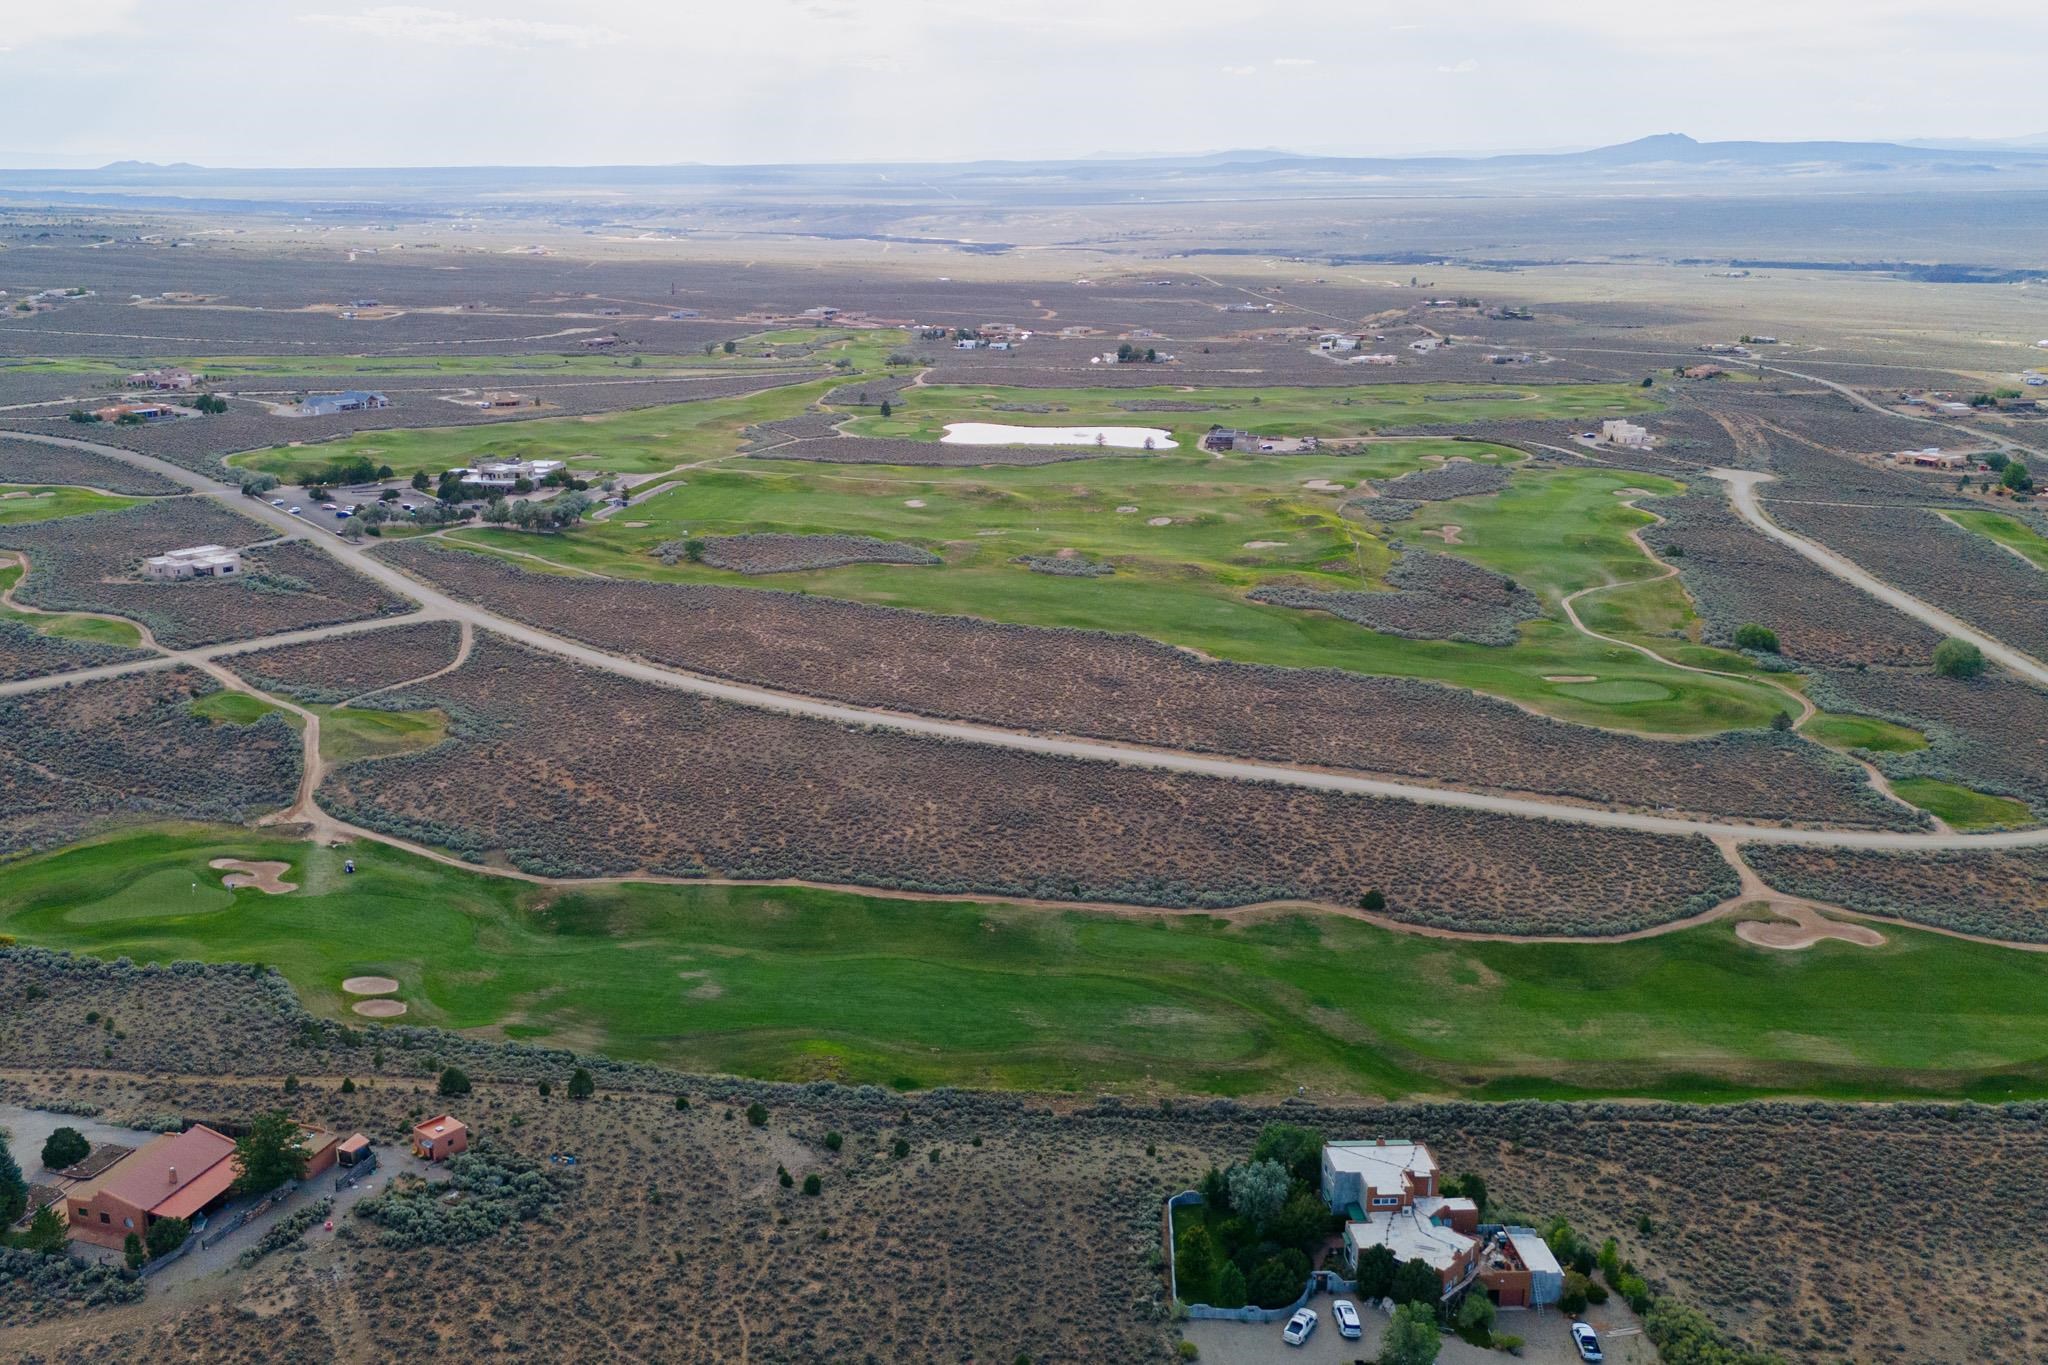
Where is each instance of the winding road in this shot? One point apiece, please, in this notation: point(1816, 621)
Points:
point(435, 604)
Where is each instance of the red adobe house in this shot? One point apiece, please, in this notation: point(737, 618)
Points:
point(439, 1138)
point(177, 1175)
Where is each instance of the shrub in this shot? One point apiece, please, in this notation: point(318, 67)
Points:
point(132, 1252)
point(1195, 1265)
point(453, 1082)
point(1258, 1190)
point(833, 1141)
point(1955, 658)
point(1374, 900)
point(1411, 1338)
point(682, 1103)
point(757, 1114)
point(1475, 1319)
point(166, 1235)
point(581, 1087)
point(812, 1184)
point(1761, 639)
point(1230, 1288)
point(1574, 1298)
point(901, 1149)
point(63, 1147)
point(1278, 1280)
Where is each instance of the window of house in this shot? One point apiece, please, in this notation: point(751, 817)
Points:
point(1386, 1201)
point(105, 1219)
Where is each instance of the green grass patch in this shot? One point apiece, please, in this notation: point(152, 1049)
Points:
point(236, 708)
point(1185, 582)
point(1960, 807)
point(348, 733)
point(37, 502)
point(2007, 531)
point(1841, 731)
point(88, 628)
point(795, 983)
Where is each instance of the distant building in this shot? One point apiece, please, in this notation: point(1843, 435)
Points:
point(1336, 341)
point(171, 380)
point(1617, 432)
point(681, 314)
point(1375, 358)
point(1931, 457)
point(505, 398)
point(1424, 345)
point(967, 344)
point(1510, 358)
point(440, 1137)
point(1703, 372)
point(146, 412)
point(200, 561)
point(503, 475)
point(599, 343)
point(350, 400)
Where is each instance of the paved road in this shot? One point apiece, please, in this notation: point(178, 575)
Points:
point(437, 604)
point(1742, 486)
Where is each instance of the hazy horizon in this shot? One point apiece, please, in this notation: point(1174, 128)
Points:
point(339, 84)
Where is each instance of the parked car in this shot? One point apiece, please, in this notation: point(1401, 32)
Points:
point(1346, 1318)
point(295, 511)
point(1588, 1343)
point(277, 502)
point(343, 515)
point(1300, 1327)
point(327, 506)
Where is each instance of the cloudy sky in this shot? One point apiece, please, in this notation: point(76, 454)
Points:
point(449, 82)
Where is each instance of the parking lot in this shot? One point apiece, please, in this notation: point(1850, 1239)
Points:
point(1547, 1334)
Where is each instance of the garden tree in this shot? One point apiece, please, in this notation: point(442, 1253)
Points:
point(1215, 1192)
point(166, 1235)
point(1299, 1149)
point(1998, 460)
point(1230, 1291)
point(1258, 1190)
point(581, 1087)
point(270, 1153)
point(1416, 1281)
point(1195, 1265)
point(1278, 1280)
point(2016, 477)
point(1574, 1298)
point(1376, 1267)
point(1958, 659)
point(1411, 1338)
point(420, 480)
point(132, 1252)
point(13, 1189)
point(498, 512)
point(1303, 1220)
point(886, 409)
point(731, 346)
point(1761, 639)
point(63, 1147)
point(757, 1114)
point(1686, 1336)
point(1610, 1259)
point(1466, 1186)
point(1782, 721)
point(1374, 900)
point(1475, 1318)
point(453, 1082)
point(211, 404)
point(45, 1235)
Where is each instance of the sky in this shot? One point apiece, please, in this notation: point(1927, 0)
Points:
point(521, 82)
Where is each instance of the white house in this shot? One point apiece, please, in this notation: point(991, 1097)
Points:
point(200, 561)
point(1617, 431)
point(505, 474)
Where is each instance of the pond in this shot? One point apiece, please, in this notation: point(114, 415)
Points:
point(997, 434)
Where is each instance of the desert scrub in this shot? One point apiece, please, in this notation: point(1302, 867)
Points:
point(498, 1190)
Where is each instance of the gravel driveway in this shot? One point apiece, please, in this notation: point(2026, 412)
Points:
point(1547, 1333)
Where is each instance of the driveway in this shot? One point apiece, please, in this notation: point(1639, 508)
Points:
point(1547, 1334)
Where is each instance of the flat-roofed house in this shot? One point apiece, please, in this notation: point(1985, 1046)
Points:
point(200, 561)
point(1616, 431)
point(440, 1137)
point(1387, 1191)
point(178, 1175)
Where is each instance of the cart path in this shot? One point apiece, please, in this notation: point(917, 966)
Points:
point(437, 604)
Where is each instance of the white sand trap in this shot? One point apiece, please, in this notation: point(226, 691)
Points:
point(1264, 544)
point(1159, 521)
point(1448, 534)
point(1802, 927)
point(369, 985)
point(266, 877)
point(1571, 677)
point(379, 1009)
point(636, 525)
point(1001, 434)
point(1322, 486)
point(913, 502)
point(1128, 508)
point(1631, 492)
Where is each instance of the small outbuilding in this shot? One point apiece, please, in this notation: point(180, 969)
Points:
point(440, 1137)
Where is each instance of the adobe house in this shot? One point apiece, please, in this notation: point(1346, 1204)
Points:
point(178, 1175)
point(438, 1138)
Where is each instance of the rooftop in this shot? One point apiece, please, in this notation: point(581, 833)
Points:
point(1410, 1235)
point(1380, 1162)
point(173, 1176)
point(1534, 1251)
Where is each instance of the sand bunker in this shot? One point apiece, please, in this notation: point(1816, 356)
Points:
point(1264, 544)
point(1449, 535)
point(913, 502)
point(1128, 508)
point(369, 985)
point(636, 525)
point(1806, 927)
point(1159, 521)
point(1631, 492)
point(1322, 486)
point(1001, 434)
point(1571, 677)
point(265, 877)
point(379, 1009)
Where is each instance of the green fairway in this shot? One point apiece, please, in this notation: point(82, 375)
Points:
point(921, 413)
point(2014, 535)
point(1231, 524)
point(639, 440)
point(91, 629)
point(1962, 808)
point(348, 733)
point(35, 502)
point(237, 708)
point(1839, 731)
point(797, 983)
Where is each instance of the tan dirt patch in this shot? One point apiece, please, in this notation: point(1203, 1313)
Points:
point(1571, 677)
point(1159, 521)
point(266, 877)
point(1263, 544)
point(913, 502)
point(1631, 492)
point(369, 985)
point(1322, 486)
point(1448, 534)
point(636, 525)
point(379, 1009)
point(1128, 508)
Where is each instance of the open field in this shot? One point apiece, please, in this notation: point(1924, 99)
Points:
point(798, 983)
point(1231, 525)
point(28, 502)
